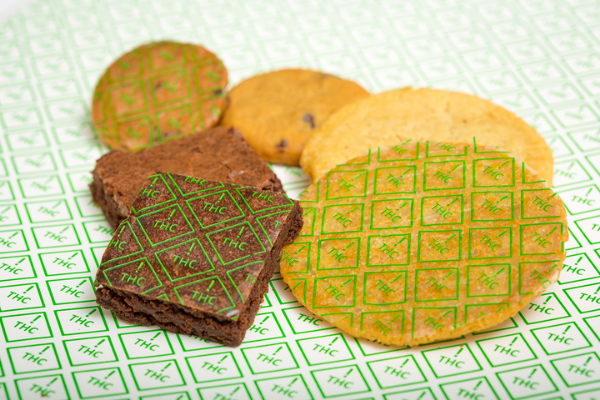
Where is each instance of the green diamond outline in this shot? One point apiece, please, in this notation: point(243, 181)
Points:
point(230, 227)
point(131, 262)
point(158, 204)
point(126, 222)
point(202, 280)
point(216, 223)
point(162, 209)
point(181, 244)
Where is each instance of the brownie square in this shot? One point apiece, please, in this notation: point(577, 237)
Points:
point(219, 154)
point(195, 256)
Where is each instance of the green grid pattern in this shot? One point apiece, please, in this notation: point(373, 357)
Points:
point(540, 59)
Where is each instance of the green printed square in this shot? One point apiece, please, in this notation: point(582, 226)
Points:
point(176, 119)
point(388, 250)
point(300, 320)
point(444, 175)
point(333, 382)
point(129, 98)
point(442, 210)
point(72, 290)
point(451, 360)
point(35, 163)
point(87, 207)
point(78, 181)
point(476, 388)
point(440, 246)
point(90, 351)
point(22, 327)
point(55, 236)
point(13, 241)
point(343, 218)
point(239, 390)
point(392, 213)
point(296, 257)
point(396, 372)
point(347, 184)
point(147, 344)
point(170, 84)
point(338, 253)
point(157, 375)
point(494, 172)
point(486, 243)
point(270, 358)
point(213, 367)
point(100, 383)
point(33, 358)
point(30, 139)
point(20, 297)
point(64, 262)
point(492, 206)
point(394, 180)
point(561, 338)
point(48, 211)
point(325, 349)
point(526, 382)
point(506, 350)
point(436, 284)
point(43, 386)
point(16, 267)
point(291, 386)
point(385, 288)
point(488, 280)
point(78, 321)
point(265, 327)
point(340, 289)
point(541, 239)
point(401, 153)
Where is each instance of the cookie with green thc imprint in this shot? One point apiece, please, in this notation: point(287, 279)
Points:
point(278, 111)
point(158, 92)
point(425, 241)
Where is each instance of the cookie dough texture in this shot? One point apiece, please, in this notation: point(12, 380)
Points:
point(218, 154)
point(196, 256)
point(277, 112)
point(425, 241)
point(158, 92)
point(422, 114)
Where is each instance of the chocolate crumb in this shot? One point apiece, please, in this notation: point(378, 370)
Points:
point(308, 117)
point(218, 92)
point(282, 145)
point(158, 85)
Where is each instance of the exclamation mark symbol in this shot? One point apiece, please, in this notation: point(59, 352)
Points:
point(109, 374)
point(458, 352)
point(28, 289)
point(450, 273)
point(168, 365)
point(584, 364)
point(292, 382)
point(597, 290)
point(453, 201)
point(406, 172)
point(222, 359)
point(351, 211)
point(503, 165)
point(348, 373)
point(450, 238)
point(210, 286)
point(191, 248)
point(139, 267)
point(20, 261)
point(80, 283)
point(47, 347)
point(170, 216)
point(422, 395)
point(532, 372)
point(264, 320)
point(234, 390)
point(513, 341)
point(121, 231)
point(277, 351)
point(74, 254)
point(333, 341)
point(344, 284)
point(221, 198)
point(404, 363)
point(501, 199)
point(155, 336)
point(99, 343)
point(56, 205)
point(63, 231)
point(453, 169)
point(566, 329)
point(402, 206)
point(301, 248)
point(35, 319)
point(547, 299)
point(476, 386)
point(51, 382)
point(396, 278)
point(502, 233)
point(358, 176)
point(241, 231)
point(580, 258)
point(90, 313)
point(499, 272)
point(154, 181)
point(555, 228)
point(13, 235)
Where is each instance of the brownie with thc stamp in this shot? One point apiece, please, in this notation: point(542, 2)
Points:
point(195, 256)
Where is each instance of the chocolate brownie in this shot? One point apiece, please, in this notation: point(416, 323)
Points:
point(196, 256)
point(219, 154)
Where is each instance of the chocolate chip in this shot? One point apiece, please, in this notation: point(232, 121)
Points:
point(282, 145)
point(158, 85)
point(218, 91)
point(310, 119)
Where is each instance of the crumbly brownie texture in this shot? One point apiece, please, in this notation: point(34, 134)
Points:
point(195, 256)
point(219, 154)
point(277, 112)
point(158, 92)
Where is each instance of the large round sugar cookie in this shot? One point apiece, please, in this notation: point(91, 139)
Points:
point(422, 114)
point(425, 241)
point(278, 111)
point(158, 92)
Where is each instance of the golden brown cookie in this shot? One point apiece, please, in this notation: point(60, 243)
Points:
point(425, 241)
point(422, 114)
point(278, 111)
point(158, 92)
